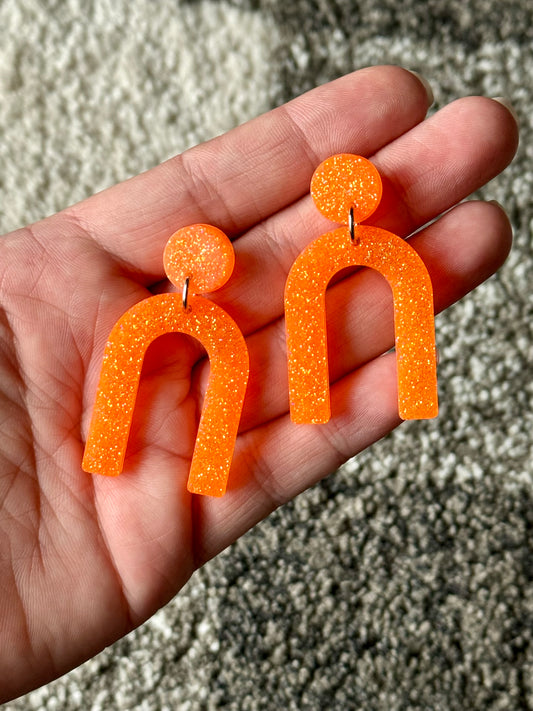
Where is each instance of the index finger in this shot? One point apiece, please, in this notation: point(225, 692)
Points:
point(237, 180)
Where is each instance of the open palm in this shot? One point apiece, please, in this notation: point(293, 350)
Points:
point(84, 559)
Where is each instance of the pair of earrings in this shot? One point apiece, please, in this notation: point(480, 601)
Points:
point(200, 258)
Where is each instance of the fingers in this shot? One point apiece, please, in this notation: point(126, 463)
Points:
point(429, 169)
point(442, 161)
point(460, 251)
point(241, 178)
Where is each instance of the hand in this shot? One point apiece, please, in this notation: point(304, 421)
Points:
point(84, 559)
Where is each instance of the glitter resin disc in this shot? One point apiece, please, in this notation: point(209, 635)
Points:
point(343, 182)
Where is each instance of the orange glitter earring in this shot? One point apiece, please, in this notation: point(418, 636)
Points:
point(347, 189)
point(199, 258)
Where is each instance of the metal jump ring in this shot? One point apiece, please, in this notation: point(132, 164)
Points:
point(185, 293)
point(351, 226)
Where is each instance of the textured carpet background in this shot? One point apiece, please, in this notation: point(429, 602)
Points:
point(405, 580)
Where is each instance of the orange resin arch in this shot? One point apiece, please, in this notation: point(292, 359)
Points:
point(305, 314)
point(119, 378)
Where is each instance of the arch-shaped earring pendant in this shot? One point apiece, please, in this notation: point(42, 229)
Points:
point(347, 189)
point(198, 258)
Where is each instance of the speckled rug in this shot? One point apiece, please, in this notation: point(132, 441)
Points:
point(405, 580)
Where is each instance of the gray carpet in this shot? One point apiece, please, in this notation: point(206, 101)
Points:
point(405, 580)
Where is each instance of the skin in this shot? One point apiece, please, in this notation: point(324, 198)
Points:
point(84, 559)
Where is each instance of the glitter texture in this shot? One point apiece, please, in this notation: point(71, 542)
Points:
point(201, 253)
point(121, 369)
point(344, 181)
point(305, 314)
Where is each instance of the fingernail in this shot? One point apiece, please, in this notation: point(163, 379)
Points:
point(510, 108)
point(425, 84)
point(498, 204)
